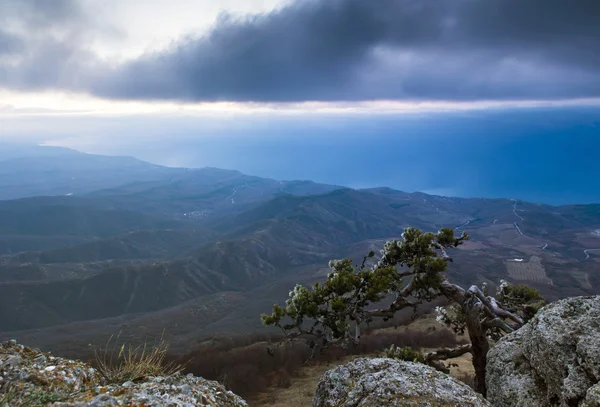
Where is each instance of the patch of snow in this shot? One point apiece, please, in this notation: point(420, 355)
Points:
point(196, 214)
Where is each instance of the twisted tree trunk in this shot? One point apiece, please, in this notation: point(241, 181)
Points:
point(479, 347)
point(474, 311)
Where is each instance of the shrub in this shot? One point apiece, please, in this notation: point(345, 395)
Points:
point(406, 353)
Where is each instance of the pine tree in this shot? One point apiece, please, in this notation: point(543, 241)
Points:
point(412, 271)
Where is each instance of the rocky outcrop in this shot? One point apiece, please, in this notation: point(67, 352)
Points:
point(554, 360)
point(29, 377)
point(386, 382)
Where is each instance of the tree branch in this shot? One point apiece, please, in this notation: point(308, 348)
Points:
point(448, 353)
point(504, 313)
point(442, 249)
point(433, 358)
point(452, 291)
point(399, 303)
point(493, 306)
point(497, 323)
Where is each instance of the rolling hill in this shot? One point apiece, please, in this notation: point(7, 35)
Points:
point(140, 253)
point(27, 171)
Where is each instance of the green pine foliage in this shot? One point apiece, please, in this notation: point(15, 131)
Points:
point(329, 310)
point(412, 271)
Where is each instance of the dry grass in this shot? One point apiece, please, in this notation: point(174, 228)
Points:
point(582, 278)
point(135, 363)
point(303, 384)
point(302, 388)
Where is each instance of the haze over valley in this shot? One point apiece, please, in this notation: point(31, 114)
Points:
point(142, 249)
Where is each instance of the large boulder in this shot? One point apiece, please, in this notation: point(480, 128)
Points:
point(554, 360)
point(384, 382)
point(29, 377)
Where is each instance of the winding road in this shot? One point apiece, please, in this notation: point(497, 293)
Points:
point(518, 229)
point(515, 210)
point(518, 216)
point(522, 218)
point(232, 196)
point(462, 224)
point(587, 255)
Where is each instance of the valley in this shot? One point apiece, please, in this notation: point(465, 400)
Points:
point(198, 252)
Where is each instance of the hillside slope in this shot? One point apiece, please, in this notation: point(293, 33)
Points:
point(135, 250)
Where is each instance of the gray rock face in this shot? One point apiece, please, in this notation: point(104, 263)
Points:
point(554, 360)
point(386, 382)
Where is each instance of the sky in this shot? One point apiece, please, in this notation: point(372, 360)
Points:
point(352, 92)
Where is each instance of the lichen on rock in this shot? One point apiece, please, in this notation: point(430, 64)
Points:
point(384, 382)
point(30, 377)
point(554, 360)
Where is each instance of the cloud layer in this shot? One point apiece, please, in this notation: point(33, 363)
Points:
point(327, 50)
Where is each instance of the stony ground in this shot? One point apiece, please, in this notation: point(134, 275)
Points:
point(31, 378)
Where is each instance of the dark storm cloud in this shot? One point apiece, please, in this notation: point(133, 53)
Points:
point(355, 49)
point(368, 49)
point(309, 50)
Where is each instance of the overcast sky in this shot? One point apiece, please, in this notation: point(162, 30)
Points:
point(304, 50)
point(99, 74)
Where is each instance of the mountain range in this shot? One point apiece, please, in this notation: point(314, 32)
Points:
point(91, 245)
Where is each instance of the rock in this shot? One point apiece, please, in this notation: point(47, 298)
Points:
point(554, 360)
point(592, 396)
point(175, 391)
point(508, 375)
point(384, 382)
point(11, 361)
point(70, 383)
